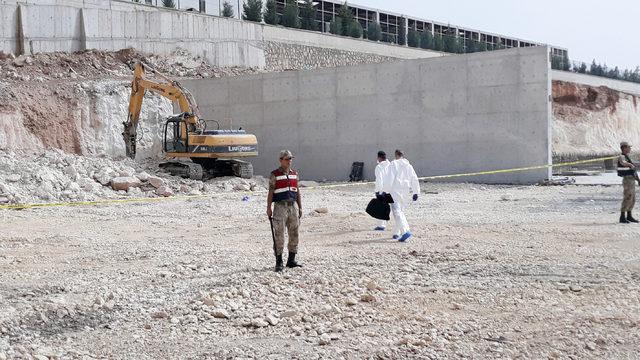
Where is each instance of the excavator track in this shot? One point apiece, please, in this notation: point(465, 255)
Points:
point(184, 169)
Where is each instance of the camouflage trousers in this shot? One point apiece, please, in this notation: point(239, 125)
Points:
point(629, 199)
point(285, 215)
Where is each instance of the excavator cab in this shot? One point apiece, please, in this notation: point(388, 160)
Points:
point(173, 141)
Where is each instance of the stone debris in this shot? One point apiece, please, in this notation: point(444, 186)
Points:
point(53, 176)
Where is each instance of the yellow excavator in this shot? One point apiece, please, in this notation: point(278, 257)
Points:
point(196, 151)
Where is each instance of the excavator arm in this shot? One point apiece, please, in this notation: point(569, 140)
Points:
point(169, 89)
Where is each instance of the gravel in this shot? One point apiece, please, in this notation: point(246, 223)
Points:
point(547, 273)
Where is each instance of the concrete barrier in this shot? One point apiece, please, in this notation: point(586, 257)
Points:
point(451, 114)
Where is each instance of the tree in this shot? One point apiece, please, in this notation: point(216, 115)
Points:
point(470, 46)
point(346, 18)
point(593, 70)
point(482, 46)
point(374, 31)
point(252, 10)
point(169, 3)
point(499, 45)
point(270, 15)
point(308, 15)
point(438, 43)
point(614, 73)
point(227, 9)
point(566, 64)
point(335, 27)
point(355, 29)
point(290, 17)
point(580, 68)
point(413, 39)
point(451, 44)
point(426, 40)
point(402, 32)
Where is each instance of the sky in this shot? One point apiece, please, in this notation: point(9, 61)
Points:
point(590, 29)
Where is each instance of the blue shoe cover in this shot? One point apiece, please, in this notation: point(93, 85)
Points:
point(405, 236)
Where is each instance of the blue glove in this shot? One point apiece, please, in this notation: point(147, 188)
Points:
point(415, 197)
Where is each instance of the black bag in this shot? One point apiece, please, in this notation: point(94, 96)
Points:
point(378, 209)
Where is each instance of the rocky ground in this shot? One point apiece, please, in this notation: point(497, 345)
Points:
point(55, 176)
point(492, 272)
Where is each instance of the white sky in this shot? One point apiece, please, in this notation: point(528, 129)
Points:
point(590, 29)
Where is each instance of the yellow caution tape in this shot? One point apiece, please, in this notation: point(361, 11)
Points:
point(490, 172)
point(189, 197)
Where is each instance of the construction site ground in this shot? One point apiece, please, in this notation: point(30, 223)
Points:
point(491, 272)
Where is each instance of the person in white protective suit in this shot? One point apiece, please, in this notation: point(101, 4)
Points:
point(381, 172)
point(402, 183)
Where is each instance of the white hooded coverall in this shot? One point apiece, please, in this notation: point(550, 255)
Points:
point(381, 172)
point(401, 182)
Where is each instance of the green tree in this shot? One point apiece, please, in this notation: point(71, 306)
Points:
point(270, 15)
point(402, 32)
point(169, 3)
point(426, 40)
point(374, 31)
point(593, 70)
point(290, 17)
point(451, 44)
point(335, 27)
point(472, 46)
point(499, 45)
point(346, 19)
point(308, 15)
point(438, 43)
point(566, 64)
point(227, 9)
point(482, 46)
point(355, 29)
point(413, 39)
point(582, 69)
point(252, 10)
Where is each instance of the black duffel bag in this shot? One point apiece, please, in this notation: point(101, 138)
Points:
point(378, 209)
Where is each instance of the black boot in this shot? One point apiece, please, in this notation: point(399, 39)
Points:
point(279, 266)
point(630, 218)
point(623, 219)
point(291, 261)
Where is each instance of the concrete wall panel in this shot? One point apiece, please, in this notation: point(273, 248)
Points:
point(443, 129)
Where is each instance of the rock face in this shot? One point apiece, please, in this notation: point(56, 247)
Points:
point(590, 121)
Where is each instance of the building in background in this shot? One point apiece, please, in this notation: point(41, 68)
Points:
point(390, 22)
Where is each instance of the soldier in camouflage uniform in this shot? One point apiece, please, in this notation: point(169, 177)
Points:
point(287, 209)
point(627, 170)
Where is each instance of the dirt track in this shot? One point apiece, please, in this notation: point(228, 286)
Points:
point(492, 272)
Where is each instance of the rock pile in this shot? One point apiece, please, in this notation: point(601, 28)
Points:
point(57, 176)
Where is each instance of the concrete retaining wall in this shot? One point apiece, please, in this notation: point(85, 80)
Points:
point(584, 79)
point(72, 25)
point(450, 114)
point(32, 26)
